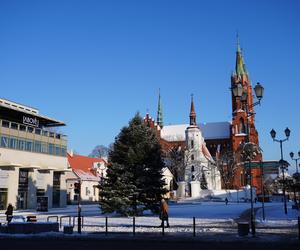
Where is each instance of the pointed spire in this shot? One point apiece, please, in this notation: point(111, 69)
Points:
point(159, 120)
point(240, 65)
point(192, 112)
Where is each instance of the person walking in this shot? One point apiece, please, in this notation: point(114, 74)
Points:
point(9, 213)
point(226, 201)
point(163, 215)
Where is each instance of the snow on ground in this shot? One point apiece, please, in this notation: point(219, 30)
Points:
point(211, 217)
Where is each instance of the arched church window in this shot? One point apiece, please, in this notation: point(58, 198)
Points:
point(192, 157)
point(193, 177)
point(242, 126)
point(193, 168)
point(192, 143)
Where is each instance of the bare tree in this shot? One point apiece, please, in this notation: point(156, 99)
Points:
point(175, 161)
point(227, 165)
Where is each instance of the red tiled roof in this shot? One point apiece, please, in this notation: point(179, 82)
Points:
point(83, 163)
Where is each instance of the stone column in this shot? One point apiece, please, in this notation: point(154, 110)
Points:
point(31, 202)
point(195, 189)
point(181, 189)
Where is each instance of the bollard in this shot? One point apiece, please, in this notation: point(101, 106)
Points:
point(133, 221)
point(163, 228)
point(106, 227)
point(194, 226)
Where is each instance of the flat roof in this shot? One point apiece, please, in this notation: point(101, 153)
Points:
point(10, 107)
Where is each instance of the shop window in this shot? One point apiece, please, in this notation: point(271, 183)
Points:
point(22, 128)
point(30, 129)
point(44, 147)
point(51, 149)
point(37, 131)
point(21, 144)
point(4, 141)
point(13, 142)
point(5, 124)
point(37, 146)
point(14, 125)
point(57, 150)
point(29, 145)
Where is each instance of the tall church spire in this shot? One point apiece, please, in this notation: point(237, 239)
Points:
point(240, 67)
point(192, 112)
point(159, 120)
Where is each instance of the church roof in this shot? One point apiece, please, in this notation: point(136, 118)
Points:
point(212, 130)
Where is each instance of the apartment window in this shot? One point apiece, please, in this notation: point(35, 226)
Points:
point(45, 133)
point(51, 134)
point(5, 124)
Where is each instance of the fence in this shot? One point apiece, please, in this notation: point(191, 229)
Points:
point(148, 225)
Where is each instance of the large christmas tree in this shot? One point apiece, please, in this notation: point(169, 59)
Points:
point(134, 176)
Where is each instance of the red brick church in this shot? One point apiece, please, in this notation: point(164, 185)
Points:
point(220, 136)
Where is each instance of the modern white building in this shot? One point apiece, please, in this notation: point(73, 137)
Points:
point(33, 158)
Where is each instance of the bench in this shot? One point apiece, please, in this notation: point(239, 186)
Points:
point(31, 218)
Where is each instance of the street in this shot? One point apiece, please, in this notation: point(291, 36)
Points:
point(133, 243)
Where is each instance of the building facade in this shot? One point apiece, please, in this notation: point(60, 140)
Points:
point(33, 159)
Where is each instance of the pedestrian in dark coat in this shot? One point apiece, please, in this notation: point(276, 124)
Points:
point(163, 215)
point(226, 201)
point(9, 213)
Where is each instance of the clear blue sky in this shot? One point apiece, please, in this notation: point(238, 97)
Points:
point(94, 64)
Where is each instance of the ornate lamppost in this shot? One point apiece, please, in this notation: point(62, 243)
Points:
point(295, 159)
point(296, 176)
point(238, 92)
point(283, 166)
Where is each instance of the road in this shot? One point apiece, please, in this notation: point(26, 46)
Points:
point(132, 243)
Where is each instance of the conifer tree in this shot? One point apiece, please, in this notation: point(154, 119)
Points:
point(134, 176)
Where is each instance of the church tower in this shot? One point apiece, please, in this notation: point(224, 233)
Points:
point(243, 126)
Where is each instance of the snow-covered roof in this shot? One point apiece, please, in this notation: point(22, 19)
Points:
point(86, 176)
point(212, 130)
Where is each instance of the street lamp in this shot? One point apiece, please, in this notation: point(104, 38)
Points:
point(295, 159)
point(238, 92)
point(283, 166)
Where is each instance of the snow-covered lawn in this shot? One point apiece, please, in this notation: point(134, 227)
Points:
point(211, 217)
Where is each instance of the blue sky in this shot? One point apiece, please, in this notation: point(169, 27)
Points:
point(94, 64)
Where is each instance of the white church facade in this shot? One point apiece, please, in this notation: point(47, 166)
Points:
point(201, 173)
